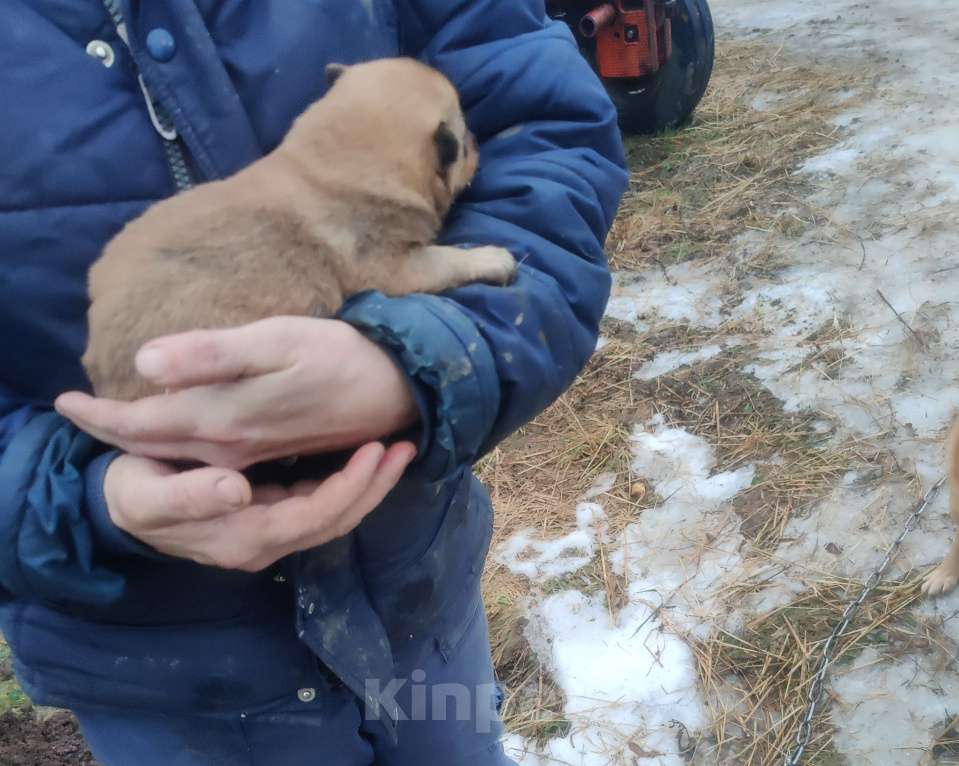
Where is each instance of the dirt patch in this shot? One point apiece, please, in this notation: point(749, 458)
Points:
point(731, 410)
point(32, 738)
point(55, 740)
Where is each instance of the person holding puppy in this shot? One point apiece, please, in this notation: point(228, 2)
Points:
point(328, 611)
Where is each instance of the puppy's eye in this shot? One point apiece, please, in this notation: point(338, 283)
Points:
point(447, 145)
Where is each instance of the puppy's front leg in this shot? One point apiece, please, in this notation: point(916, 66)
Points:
point(945, 577)
point(436, 268)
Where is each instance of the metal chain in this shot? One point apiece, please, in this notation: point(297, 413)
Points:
point(818, 686)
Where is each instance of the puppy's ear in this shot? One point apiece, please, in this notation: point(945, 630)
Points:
point(447, 147)
point(333, 73)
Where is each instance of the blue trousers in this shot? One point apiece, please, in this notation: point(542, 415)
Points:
point(448, 698)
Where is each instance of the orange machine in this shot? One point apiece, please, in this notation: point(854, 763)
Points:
point(654, 57)
point(633, 37)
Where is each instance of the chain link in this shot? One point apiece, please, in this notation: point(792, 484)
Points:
point(818, 685)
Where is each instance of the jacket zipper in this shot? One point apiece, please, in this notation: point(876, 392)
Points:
point(173, 147)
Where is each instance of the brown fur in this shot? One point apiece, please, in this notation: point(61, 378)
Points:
point(944, 578)
point(351, 200)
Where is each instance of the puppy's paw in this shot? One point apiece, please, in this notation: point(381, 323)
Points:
point(940, 580)
point(494, 265)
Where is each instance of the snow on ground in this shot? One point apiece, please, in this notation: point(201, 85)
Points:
point(673, 360)
point(628, 673)
point(686, 294)
point(891, 185)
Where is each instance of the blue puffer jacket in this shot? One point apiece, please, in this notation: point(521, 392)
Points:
point(93, 616)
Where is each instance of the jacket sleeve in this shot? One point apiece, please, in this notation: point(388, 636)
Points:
point(486, 359)
point(56, 537)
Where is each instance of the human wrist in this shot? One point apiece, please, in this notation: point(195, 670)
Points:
point(387, 392)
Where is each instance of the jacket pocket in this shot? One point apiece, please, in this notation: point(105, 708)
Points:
point(434, 593)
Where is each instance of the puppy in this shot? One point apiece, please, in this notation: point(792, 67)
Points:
point(351, 200)
point(944, 577)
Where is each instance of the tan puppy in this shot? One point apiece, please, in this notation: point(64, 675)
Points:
point(944, 577)
point(351, 200)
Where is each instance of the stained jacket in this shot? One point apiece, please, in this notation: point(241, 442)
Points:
point(94, 616)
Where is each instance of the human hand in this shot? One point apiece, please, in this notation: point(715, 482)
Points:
point(279, 387)
point(213, 516)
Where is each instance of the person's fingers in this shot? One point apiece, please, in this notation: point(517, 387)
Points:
point(201, 424)
point(300, 523)
point(305, 488)
point(153, 418)
point(388, 473)
point(284, 520)
point(204, 357)
point(296, 518)
point(259, 535)
point(65, 406)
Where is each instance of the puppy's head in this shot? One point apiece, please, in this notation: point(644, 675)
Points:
point(410, 119)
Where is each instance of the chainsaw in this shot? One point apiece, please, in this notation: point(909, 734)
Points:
point(655, 57)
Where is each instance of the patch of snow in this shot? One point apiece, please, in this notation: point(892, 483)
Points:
point(668, 361)
point(676, 552)
point(686, 292)
point(763, 102)
point(834, 161)
point(885, 711)
point(678, 464)
point(633, 678)
point(525, 553)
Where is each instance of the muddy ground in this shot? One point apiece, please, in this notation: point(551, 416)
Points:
point(26, 740)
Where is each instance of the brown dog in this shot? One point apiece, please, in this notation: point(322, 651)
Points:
point(351, 200)
point(944, 577)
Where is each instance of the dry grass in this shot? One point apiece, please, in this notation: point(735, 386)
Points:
point(536, 478)
point(534, 704)
point(945, 748)
point(795, 456)
point(758, 679)
point(540, 473)
point(692, 193)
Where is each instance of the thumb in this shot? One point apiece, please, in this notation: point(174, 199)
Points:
point(196, 495)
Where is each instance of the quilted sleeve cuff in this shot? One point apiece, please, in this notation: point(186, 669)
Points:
point(449, 365)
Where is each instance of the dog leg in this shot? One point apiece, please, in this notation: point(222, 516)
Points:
point(436, 268)
point(944, 577)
